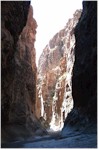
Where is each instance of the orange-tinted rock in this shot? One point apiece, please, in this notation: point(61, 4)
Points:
point(54, 75)
point(18, 70)
point(24, 83)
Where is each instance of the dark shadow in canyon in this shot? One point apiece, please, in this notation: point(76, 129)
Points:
point(67, 76)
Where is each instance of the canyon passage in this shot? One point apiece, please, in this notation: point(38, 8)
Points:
point(54, 105)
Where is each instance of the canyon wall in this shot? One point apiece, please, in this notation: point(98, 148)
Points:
point(54, 93)
point(18, 70)
point(84, 80)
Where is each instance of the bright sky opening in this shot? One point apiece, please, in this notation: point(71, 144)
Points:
point(51, 17)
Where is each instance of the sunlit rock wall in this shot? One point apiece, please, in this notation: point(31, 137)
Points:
point(54, 76)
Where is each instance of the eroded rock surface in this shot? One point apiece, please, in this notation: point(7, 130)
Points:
point(84, 81)
point(18, 70)
point(54, 75)
point(80, 129)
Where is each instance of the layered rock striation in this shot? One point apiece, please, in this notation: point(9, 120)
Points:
point(54, 93)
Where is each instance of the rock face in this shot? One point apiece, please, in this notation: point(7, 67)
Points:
point(54, 76)
point(84, 81)
point(18, 70)
point(24, 83)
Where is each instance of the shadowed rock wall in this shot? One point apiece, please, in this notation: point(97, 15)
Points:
point(18, 70)
point(84, 80)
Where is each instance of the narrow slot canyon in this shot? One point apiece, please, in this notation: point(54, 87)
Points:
point(54, 104)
